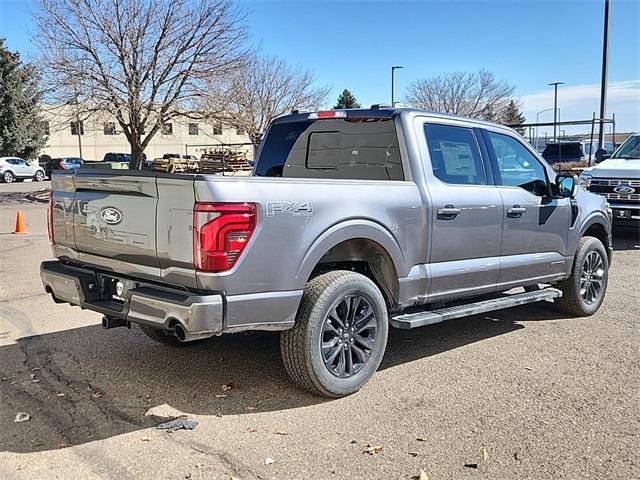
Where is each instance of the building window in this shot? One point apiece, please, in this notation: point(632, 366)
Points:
point(75, 130)
point(217, 129)
point(110, 128)
point(167, 129)
point(193, 129)
point(240, 131)
point(45, 127)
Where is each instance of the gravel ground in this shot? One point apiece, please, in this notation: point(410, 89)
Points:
point(521, 393)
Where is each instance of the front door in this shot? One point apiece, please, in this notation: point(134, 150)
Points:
point(536, 225)
point(466, 216)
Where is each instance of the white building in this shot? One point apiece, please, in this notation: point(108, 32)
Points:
point(100, 134)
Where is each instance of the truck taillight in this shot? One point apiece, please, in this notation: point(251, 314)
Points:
point(50, 217)
point(221, 231)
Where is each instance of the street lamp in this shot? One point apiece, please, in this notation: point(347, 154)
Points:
point(555, 109)
point(393, 70)
point(538, 120)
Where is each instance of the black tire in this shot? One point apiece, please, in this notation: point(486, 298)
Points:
point(577, 291)
point(39, 176)
point(354, 298)
point(160, 336)
point(8, 177)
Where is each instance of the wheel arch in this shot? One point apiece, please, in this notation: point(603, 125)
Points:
point(362, 246)
point(598, 227)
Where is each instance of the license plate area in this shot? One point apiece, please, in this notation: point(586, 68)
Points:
point(113, 289)
point(622, 214)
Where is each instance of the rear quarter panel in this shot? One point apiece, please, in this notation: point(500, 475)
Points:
point(299, 220)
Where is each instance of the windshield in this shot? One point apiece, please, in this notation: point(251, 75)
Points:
point(629, 149)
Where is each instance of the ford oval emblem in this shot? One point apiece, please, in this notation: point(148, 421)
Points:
point(624, 189)
point(111, 215)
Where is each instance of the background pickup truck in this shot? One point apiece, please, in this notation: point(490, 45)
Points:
point(618, 180)
point(352, 220)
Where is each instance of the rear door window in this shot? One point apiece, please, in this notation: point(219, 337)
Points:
point(365, 149)
point(455, 155)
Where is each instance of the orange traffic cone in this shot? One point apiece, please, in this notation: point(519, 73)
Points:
point(20, 224)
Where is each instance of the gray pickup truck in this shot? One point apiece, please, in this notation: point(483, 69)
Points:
point(352, 220)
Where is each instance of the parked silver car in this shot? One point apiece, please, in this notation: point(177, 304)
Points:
point(16, 169)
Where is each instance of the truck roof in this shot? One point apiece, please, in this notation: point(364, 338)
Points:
point(383, 112)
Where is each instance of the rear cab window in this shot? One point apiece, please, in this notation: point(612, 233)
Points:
point(344, 148)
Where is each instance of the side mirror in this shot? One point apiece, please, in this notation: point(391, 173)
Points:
point(567, 185)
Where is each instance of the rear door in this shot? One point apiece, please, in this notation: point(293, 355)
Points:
point(114, 216)
point(536, 225)
point(466, 214)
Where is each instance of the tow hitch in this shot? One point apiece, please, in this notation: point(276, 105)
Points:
point(113, 322)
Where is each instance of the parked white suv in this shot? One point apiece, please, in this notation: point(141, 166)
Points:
point(16, 169)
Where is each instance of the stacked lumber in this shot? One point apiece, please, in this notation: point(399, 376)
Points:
point(221, 160)
point(175, 165)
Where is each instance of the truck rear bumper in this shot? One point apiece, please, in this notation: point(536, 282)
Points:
point(199, 316)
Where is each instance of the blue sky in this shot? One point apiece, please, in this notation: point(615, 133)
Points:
point(352, 44)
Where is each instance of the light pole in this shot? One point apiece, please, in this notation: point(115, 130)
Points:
point(555, 109)
point(603, 80)
point(538, 120)
point(393, 71)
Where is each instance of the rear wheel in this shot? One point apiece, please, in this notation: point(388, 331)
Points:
point(160, 336)
point(8, 177)
point(583, 292)
point(39, 176)
point(340, 334)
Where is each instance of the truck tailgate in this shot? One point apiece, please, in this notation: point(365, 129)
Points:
point(115, 216)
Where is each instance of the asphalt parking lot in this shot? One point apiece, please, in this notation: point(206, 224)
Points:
point(520, 393)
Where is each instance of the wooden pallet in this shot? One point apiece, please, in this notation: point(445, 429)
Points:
point(221, 160)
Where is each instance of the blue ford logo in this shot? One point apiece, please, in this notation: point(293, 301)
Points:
point(111, 215)
point(624, 189)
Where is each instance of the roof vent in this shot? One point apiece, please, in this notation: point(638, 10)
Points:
point(378, 106)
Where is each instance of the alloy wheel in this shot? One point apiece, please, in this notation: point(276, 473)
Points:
point(592, 278)
point(348, 336)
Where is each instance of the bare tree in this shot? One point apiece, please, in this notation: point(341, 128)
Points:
point(265, 88)
point(142, 61)
point(470, 94)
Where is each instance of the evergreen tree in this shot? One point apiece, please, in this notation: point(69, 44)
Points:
point(21, 131)
point(346, 100)
point(512, 116)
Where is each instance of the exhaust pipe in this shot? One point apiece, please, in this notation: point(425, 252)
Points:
point(180, 332)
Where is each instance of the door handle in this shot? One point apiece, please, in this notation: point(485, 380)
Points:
point(448, 212)
point(516, 211)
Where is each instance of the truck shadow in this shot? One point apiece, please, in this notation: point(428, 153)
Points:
point(88, 384)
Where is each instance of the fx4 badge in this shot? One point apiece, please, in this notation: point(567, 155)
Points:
point(292, 208)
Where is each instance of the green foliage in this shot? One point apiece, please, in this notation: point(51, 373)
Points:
point(346, 100)
point(22, 133)
point(512, 116)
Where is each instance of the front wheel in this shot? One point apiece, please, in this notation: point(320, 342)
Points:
point(8, 177)
point(340, 334)
point(583, 292)
point(39, 176)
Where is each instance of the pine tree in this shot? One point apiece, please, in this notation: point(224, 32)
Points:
point(346, 100)
point(512, 116)
point(21, 132)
